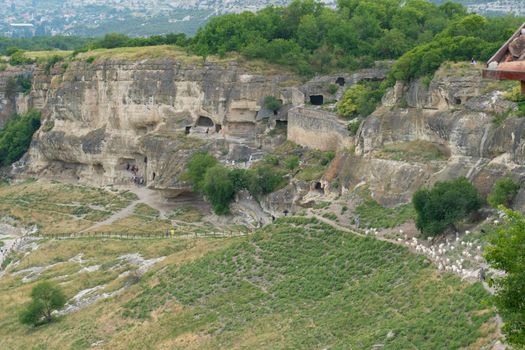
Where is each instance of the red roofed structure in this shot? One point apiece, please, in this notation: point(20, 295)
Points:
point(509, 62)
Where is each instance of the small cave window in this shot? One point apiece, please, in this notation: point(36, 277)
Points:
point(205, 122)
point(154, 175)
point(340, 81)
point(188, 129)
point(457, 101)
point(145, 159)
point(218, 128)
point(316, 100)
point(281, 124)
point(319, 187)
point(98, 168)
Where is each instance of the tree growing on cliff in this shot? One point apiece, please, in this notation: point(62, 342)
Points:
point(16, 136)
point(445, 205)
point(45, 299)
point(272, 104)
point(506, 253)
point(197, 167)
point(218, 188)
point(503, 192)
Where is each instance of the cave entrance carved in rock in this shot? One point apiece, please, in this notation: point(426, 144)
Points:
point(340, 81)
point(316, 100)
point(205, 122)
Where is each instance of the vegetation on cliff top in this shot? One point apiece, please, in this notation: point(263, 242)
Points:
point(16, 135)
point(309, 37)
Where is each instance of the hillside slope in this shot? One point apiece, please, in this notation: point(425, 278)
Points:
point(295, 284)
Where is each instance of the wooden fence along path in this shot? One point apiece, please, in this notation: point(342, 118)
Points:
point(138, 236)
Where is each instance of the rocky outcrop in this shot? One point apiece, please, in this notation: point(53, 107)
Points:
point(318, 129)
point(105, 118)
point(12, 98)
point(455, 113)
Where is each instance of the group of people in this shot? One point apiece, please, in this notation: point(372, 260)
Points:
point(133, 169)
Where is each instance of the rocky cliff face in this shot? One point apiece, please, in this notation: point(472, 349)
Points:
point(105, 118)
point(12, 99)
point(454, 116)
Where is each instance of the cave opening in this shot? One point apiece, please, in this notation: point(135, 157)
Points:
point(218, 128)
point(316, 100)
point(319, 187)
point(281, 124)
point(205, 122)
point(457, 101)
point(154, 175)
point(340, 81)
point(188, 129)
point(98, 168)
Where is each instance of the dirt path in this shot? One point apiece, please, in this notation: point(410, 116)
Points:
point(122, 214)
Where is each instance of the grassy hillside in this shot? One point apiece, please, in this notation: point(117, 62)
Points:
point(295, 284)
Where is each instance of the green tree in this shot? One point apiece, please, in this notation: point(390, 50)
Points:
point(507, 253)
point(219, 189)
point(45, 299)
point(445, 205)
point(503, 192)
point(16, 136)
point(197, 167)
point(272, 104)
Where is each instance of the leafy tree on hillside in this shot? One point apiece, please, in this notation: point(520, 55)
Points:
point(16, 136)
point(219, 189)
point(503, 192)
point(46, 298)
point(506, 253)
point(197, 167)
point(443, 206)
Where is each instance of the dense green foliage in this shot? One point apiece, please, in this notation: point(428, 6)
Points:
point(444, 205)
point(45, 298)
point(42, 43)
point(219, 184)
point(503, 192)
point(311, 37)
point(113, 40)
point(506, 253)
point(16, 136)
point(196, 169)
point(218, 188)
point(360, 100)
point(464, 38)
point(322, 286)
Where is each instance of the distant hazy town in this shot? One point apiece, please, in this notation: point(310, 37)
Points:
point(26, 18)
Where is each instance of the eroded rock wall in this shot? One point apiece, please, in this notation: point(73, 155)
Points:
point(102, 119)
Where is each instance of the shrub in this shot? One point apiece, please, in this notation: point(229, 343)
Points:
point(218, 188)
point(16, 136)
point(263, 180)
point(333, 88)
point(353, 127)
point(443, 206)
point(503, 192)
point(46, 298)
point(360, 100)
point(291, 162)
point(18, 58)
point(272, 104)
point(197, 166)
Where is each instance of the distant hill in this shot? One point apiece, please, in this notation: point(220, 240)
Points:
point(492, 7)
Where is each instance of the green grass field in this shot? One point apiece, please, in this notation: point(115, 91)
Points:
point(295, 284)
